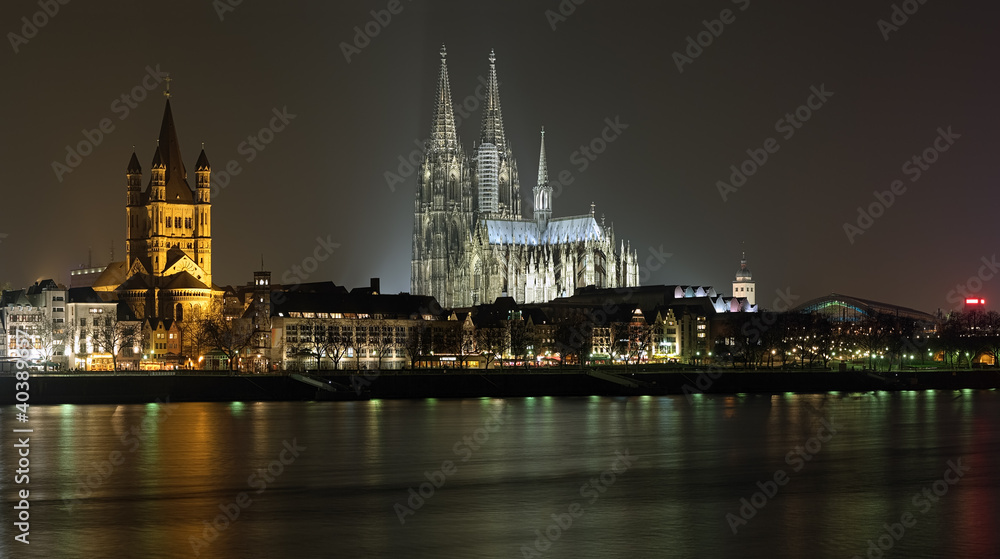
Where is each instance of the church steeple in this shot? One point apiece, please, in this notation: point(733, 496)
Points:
point(743, 285)
point(443, 134)
point(542, 191)
point(492, 128)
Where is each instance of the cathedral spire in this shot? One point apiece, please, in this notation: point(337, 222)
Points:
point(170, 156)
point(492, 129)
point(543, 165)
point(542, 191)
point(443, 134)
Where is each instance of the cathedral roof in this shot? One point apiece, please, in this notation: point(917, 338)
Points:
point(112, 276)
point(169, 154)
point(134, 282)
point(559, 230)
point(184, 280)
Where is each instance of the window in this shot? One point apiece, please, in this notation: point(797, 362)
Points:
point(83, 322)
point(168, 223)
point(58, 309)
point(187, 222)
point(177, 222)
point(57, 298)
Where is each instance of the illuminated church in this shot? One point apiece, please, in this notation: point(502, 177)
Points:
point(470, 241)
point(167, 272)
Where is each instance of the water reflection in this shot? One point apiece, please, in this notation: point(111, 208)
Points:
point(516, 463)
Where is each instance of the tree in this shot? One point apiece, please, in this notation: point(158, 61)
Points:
point(573, 334)
point(381, 340)
point(50, 338)
point(337, 343)
point(193, 335)
point(112, 335)
point(493, 343)
point(228, 335)
point(519, 340)
point(418, 340)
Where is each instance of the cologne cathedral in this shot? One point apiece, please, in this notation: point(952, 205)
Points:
point(470, 241)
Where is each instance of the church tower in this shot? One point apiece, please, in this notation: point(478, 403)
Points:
point(494, 175)
point(168, 247)
point(542, 190)
point(743, 285)
point(443, 209)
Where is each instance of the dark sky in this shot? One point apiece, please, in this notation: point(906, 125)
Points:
point(324, 175)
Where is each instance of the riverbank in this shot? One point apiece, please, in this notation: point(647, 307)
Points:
point(84, 388)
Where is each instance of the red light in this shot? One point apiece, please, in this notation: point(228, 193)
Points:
point(975, 301)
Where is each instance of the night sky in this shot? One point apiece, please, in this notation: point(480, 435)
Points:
point(323, 176)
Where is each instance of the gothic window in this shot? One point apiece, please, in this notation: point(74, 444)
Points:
point(168, 223)
point(177, 222)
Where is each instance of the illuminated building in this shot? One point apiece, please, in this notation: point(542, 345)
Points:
point(744, 286)
point(167, 272)
point(470, 242)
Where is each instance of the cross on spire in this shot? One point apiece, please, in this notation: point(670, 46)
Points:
point(167, 79)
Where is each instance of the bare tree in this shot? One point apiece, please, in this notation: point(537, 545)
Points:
point(518, 340)
point(381, 339)
point(113, 335)
point(418, 341)
point(228, 335)
point(493, 343)
point(337, 343)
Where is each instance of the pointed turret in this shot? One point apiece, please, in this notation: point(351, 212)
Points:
point(133, 165)
point(443, 133)
point(542, 191)
point(202, 164)
point(492, 128)
point(203, 177)
point(133, 176)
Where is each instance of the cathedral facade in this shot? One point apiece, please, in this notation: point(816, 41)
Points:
point(470, 241)
point(168, 248)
